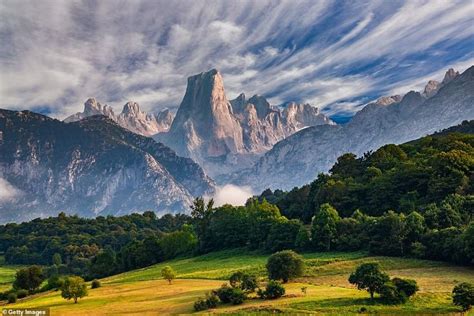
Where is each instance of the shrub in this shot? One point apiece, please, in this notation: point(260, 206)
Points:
point(21, 293)
point(54, 282)
point(12, 298)
point(237, 296)
point(285, 265)
point(463, 295)
point(212, 300)
point(407, 286)
point(247, 283)
point(273, 290)
point(229, 294)
point(390, 294)
point(369, 277)
point(224, 293)
point(200, 305)
point(95, 284)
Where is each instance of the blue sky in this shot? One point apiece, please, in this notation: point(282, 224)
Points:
point(336, 55)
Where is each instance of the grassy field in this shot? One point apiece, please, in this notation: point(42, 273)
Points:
point(7, 274)
point(142, 292)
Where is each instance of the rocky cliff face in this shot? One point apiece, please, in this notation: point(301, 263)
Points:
point(298, 159)
point(90, 167)
point(131, 117)
point(226, 135)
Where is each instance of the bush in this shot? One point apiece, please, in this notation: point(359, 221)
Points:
point(407, 286)
point(12, 298)
point(21, 293)
point(463, 295)
point(200, 305)
point(229, 294)
point(273, 290)
point(247, 283)
point(95, 284)
point(390, 294)
point(285, 265)
point(53, 283)
point(212, 300)
point(224, 293)
point(237, 297)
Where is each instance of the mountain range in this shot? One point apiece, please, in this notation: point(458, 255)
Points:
point(90, 167)
point(96, 162)
point(298, 159)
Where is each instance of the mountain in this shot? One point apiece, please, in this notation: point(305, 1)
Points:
point(131, 117)
point(299, 158)
point(226, 135)
point(90, 167)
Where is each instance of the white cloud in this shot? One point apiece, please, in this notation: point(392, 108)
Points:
point(58, 53)
point(232, 194)
point(7, 191)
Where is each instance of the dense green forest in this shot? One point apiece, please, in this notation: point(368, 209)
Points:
point(414, 199)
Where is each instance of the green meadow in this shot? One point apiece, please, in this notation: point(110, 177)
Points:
point(143, 292)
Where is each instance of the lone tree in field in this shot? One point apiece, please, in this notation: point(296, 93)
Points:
point(368, 277)
point(74, 288)
point(463, 295)
point(285, 265)
point(29, 278)
point(168, 273)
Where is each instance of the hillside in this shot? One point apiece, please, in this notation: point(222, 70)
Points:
point(143, 291)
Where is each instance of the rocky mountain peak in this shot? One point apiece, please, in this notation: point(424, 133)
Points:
point(431, 88)
point(450, 75)
point(131, 108)
point(261, 105)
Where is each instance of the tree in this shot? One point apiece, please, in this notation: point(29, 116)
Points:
point(29, 278)
point(168, 273)
point(463, 295)
point(406, 286)
point(273, 290)
point(57, 261)
point(285, 265)
point(74, 288)
point(324, 228)
point(369, 277)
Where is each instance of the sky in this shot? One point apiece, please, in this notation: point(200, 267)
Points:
point(336, 55)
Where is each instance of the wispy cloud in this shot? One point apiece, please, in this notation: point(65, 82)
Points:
point(55, 54)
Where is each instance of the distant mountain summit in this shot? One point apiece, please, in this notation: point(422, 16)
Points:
point(131, 117)
point(226, 135)
point(91, 167)
point(298, 159)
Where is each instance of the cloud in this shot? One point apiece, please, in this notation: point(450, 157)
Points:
point(56, 54)
point(7, 191)
point(232, 194)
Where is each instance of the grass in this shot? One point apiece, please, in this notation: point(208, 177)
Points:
point(7, 274)
point(143, 291)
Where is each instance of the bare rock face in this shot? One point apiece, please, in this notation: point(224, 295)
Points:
point(449, 76)
point(431, 88)
point(131, 117)
point(222, 135)
point(298, 159)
